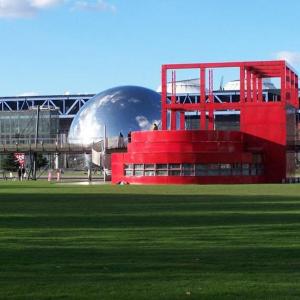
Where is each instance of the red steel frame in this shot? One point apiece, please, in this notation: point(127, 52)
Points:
point(251, 76)
point(265, 128)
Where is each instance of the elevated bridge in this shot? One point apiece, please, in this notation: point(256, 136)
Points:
point(114, 144)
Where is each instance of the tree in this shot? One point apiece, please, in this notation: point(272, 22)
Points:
point(41, 161)
point(10, 163)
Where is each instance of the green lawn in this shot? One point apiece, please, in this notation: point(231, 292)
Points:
point(148, 242)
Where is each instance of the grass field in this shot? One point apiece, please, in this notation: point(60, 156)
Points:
point(147, 242)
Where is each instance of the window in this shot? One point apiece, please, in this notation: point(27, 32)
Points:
point(149, 170)
point(161, 166)
point(253, 170)
point(174, 166)
point(149, 167)
point(149, 173)
point(225, 169)
point(128, 167)
point(236, 169)
point(213, 170)
point(138, 173)
point(245, 169)
point(174, 172)
point(200, 170)
point(128, 172)
point(162, 173)
point(139, 167)
point(188, 169)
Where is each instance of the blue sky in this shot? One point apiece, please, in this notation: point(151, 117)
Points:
point(57, 46)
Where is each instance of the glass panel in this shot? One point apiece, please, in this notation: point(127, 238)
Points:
point(174, 166)
point(253, 170)
point(200, 170)
point(200, 167)
point(245, 172)
point(161, 166)
point(139, 167)
point(188, 172)
point(149, 173)
point(149, 166)
point(128, 166)
point(213, 170)
point(128, 173)
point(225, 169)
point(260, 169)
point(245, 169)
point(236, 169)
point(187, 166)
point(138, 173)
point(174, 172)
point(162, 173)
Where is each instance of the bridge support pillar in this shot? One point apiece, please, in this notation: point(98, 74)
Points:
point(34, 169)
point(56, 161)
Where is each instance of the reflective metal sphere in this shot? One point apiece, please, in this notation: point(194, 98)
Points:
point(120, 109)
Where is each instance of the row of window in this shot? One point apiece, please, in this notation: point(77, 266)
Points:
point(193, 169)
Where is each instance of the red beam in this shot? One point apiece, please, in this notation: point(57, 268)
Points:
point(278, 63)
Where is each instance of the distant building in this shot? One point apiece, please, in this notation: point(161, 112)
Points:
point(19, 127)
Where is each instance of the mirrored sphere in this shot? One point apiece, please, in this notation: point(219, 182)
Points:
point(120, 109)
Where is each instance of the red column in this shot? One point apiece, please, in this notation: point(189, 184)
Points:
point(288, 85)
point(173, 101)
point(254, 87)
point(283, 84)
point(248, 72)
point(260, 95)
point(242, 84)
point(163, 99)
point(293, 95)
point(202, 99)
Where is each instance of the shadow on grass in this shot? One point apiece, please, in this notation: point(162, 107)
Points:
point(145, 246)
point(126, 210)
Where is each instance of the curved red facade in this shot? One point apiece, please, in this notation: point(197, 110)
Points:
point(186, 157)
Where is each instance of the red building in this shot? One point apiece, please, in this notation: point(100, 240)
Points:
point(259, 152)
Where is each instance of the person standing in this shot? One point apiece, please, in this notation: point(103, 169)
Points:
point(19, 173)
point(129, 137)
point(121, 141)
point(23, 171)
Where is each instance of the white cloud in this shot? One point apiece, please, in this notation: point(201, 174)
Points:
point(144, 123)
point(99, 5)
point(45, 3)
point(291, 57)
point(24, 8)
point(16, 9)
point(13, 9)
